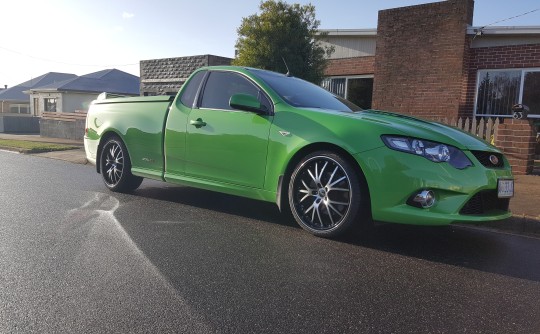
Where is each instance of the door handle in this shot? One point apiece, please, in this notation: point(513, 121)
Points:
point(198, 123)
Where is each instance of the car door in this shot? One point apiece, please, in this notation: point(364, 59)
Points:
point(224, 144)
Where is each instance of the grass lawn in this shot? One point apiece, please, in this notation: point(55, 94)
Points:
point(32, 147)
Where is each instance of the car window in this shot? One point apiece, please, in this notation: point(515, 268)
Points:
point(303, 94)
point(265, 101)
point(220, 86)
point(188, 96)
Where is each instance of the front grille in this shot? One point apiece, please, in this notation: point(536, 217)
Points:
point(484, 202)
point(484, 158)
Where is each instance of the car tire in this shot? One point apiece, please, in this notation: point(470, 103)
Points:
point(115, 167)
point(326, 196)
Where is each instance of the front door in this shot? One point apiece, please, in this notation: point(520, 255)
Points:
point(224, 144)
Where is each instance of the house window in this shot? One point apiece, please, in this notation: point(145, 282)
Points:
point(498, 90)
point(50, 104)
point(358, 90)
point(19, 109)
point(531, 92)
point(335, 85)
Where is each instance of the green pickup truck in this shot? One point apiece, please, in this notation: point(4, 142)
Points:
point(277, 138)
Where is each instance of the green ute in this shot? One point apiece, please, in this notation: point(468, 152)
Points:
point(276, 138)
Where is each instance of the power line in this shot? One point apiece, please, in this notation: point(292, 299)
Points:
point(510, 18)
point(65, 63)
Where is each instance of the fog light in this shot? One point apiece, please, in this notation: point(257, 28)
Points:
point(426, 198)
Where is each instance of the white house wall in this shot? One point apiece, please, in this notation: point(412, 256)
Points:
point(41, 103)
point(490, 41)
point(65, 102)
point(350, 46)
point(77, 101)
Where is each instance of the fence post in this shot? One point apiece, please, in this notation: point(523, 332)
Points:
point(496, 130)
point(481, 133)
point(517, 139)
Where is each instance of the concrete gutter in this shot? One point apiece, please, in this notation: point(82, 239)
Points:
point(77, 156)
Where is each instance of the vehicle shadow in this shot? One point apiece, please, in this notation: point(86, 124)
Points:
point(224, 203)
point(457, 245)
point(474, 248)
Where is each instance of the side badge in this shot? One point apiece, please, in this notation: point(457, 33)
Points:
point(284, 133)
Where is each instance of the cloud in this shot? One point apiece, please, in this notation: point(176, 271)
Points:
point(127, 15)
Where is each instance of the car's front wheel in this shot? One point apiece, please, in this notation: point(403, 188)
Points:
point(325, 194)
point(115, 167)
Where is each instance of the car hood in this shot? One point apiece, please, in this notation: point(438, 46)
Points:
point(415, 127)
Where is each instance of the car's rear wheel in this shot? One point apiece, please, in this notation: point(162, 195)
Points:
point(325, 194)
point(115, 167)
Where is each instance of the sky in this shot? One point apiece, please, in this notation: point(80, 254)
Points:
point(85, 36)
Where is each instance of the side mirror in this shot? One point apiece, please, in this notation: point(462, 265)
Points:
point(520, 111)
point(246, 102)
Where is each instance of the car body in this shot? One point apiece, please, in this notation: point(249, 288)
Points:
point(276, 138)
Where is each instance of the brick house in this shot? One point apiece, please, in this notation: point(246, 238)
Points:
point(429, 61)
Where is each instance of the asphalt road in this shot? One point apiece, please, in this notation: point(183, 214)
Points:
point(76, 258)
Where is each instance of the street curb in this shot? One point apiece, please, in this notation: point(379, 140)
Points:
point(66, 155)
point(14, 149)
point(49, 154)
point(32, 151)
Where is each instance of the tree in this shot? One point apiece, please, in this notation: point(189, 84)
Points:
point(283, 31)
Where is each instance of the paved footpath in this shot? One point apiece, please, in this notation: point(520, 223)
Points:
point(525, 205)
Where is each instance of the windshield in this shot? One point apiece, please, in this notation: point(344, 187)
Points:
point(303, 94)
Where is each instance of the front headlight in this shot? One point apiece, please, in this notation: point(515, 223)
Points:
point(435, 152)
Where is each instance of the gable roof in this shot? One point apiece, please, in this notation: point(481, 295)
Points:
point(15, 93)
point(110, 81)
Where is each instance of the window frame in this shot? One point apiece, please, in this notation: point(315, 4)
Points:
point(55, 104)
point(347, 78)
point(522, 71)
point(199, 89)
point(202, 88)
point(19, 106)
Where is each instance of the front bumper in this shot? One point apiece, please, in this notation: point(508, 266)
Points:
point(467, 196)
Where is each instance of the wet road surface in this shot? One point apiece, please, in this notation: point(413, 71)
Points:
point(75, 257)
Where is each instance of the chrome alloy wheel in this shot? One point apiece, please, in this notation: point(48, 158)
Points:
point(113, 164)
point(321, 193)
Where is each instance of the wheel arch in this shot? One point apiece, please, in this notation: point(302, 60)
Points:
point(283, 184)
point(104, 138)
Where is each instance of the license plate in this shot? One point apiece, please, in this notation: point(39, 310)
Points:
point(505, 188)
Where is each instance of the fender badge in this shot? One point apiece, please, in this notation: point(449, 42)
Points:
point(284, 133)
